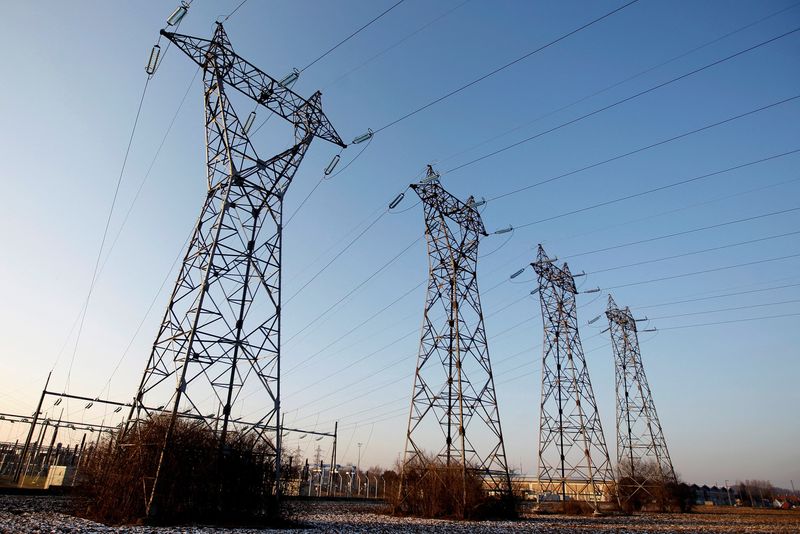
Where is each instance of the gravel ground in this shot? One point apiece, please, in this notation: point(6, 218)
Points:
point(47, 514)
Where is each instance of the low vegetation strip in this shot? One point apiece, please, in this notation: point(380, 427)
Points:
point(27, 514)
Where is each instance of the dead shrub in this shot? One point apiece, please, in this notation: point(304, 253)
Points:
point(199, 482)
point(642, 489)
point(435, 490)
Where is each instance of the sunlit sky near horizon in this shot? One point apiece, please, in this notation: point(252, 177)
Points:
point(724, 364)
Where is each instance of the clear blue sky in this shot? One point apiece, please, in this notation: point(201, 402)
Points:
point(727, 394)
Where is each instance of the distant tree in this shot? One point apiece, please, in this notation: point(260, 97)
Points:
point(756, 492)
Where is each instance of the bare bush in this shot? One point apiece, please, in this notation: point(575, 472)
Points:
point(436, 490)
point(643, 488)
point(199, 481)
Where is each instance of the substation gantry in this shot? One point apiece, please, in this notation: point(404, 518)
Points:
point(643, 461)
point(573, 457)
point(453, 403)
point(219, 340)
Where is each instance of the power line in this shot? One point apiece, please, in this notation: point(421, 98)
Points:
point(368, 319)
point(648, 147)
point(721, 247)
point(524, 296)
point(621, 82)
point(105, 229)
point(359, 286)
point(737, 293)
point(704, 271)
point(747, 320)
point(229, 15)
point(146, 314)
point(682, 208)
point(150, 167)
point(720, 310)
point(411, 333)
point(503, 67)
point(685, 134)
point(403, 359)
point(394, 380)
point(660, 188)
point(622, 101)
point(685, 232)
point(340, 43)
point(337, 256)
point(398, 43)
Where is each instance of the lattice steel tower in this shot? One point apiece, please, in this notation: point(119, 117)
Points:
point(642, 457)
point(453, 403)
point(573, 457)
point(219, 340)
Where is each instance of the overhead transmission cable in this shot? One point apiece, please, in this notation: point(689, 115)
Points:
point(229, 15)
point(396, 44)
point(724, 295)
point(721, 310)
point(621, 156)
point(621, 101)
point(648, 147)
point(661, 259)
point(359, 30)
point(403, 359)
point(652, 145)
point(747, 320)
point(713, 200)
point(684, 232)
point(503, 67)
point(105, 231)
point(337, 256)
point(353, 329)
point(704, 271)
point(352, 291)
point(381, 386)
point(621, 82)
point(154, 61)
point(661, 188)
point(694, 252)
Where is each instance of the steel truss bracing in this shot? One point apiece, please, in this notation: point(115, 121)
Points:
point(573, 457)
point(643, 461)
point(220, 334)
point(453, 404)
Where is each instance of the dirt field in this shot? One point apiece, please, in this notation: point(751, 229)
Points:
point(25, 514)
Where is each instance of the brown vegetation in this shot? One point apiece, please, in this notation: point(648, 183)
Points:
point(435, 490)
point(199, 482)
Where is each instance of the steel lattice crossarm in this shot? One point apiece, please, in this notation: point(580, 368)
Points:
point(573, 457)
point(218, 55)
point(434, 196)
point(454, 418)
point(643, 461)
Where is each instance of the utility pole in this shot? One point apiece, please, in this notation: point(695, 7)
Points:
point(572, 448)
point(333, 457)
point(640, 438)
point(19, 475)
point(453, 394)
point(208, 344)
point(358, 469)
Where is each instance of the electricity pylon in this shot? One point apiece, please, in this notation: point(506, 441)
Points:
point(453, 402)
point(573, 457)
point(643, 461)
point(220, 334)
